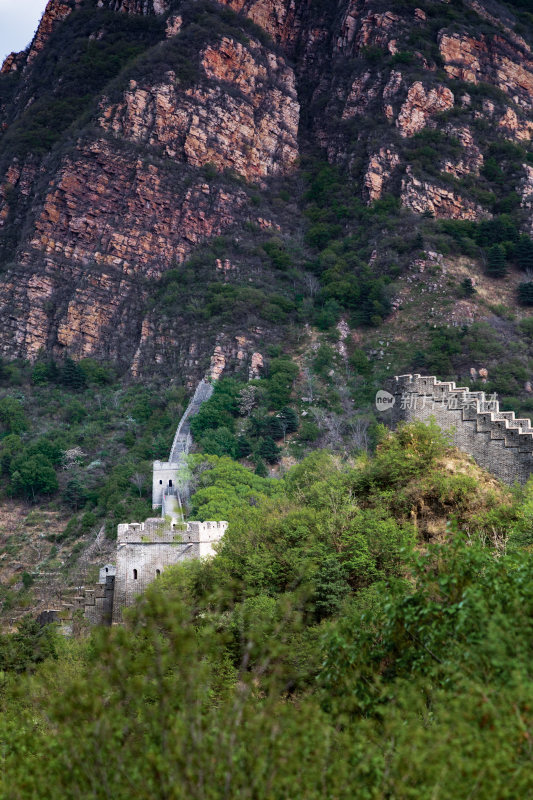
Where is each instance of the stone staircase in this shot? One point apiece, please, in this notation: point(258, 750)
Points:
point(498, 440)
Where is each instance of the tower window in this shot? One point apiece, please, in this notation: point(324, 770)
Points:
point(134, 574)
point(157, 573)
point(161, 483)
point(170, 483)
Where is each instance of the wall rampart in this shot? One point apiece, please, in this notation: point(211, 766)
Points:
point(497, 440)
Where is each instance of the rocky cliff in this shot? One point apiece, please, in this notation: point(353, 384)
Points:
point(136, 131)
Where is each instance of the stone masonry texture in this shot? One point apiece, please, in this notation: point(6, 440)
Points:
point(498, 442)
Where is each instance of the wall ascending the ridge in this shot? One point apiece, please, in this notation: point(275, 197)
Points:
point(500, 443)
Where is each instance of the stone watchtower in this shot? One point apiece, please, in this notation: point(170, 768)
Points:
point(145, 549)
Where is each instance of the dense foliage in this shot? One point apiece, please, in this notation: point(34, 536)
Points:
point(322, 653)
point(73, 435)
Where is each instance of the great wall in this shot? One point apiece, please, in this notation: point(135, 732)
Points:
point(145, 549)
point(497, 440)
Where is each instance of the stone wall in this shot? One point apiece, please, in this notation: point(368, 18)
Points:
point(74, 605)
point(98, 602)
point(499, 442)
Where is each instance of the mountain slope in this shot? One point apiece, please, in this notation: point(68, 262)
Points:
point(319, 139)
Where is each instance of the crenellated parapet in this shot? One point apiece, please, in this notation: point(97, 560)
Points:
point(146, 549)
point(497, 440)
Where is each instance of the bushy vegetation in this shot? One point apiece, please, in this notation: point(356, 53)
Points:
point(76, 436)
point(247, 419)
point(87, 51)
point(340, 231)
point(326, 651)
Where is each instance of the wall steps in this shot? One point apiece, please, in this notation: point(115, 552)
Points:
point(476, 418)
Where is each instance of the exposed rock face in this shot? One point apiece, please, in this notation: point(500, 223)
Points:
point(364, 29)
point(256, 366)
point(379, 171)
point(137, 6)
point(17, 176)
point(471, 160)
point(424, 197)
point(390, 92)
point(499, 22)
point(13, 63)
point(218, 363)
point(496, 60)
point(160, 221)
point(86, 296)
point(173, 25)
point(131, 195)
point(363, 92)
point(55, 12)
point(515, 128)
point(280, 18)
point(420, 105)
point(253, 131)
point(526, 190)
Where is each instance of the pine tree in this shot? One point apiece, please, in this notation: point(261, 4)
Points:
point(290, 419)
point(261, 467)
point(269, 450)
point(496, 261)
point(73, 376)
point(468, 287)
point(525, 293)
point(524, 252)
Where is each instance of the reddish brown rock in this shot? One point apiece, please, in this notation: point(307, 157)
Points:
point(442, 202)
point(494, 60)
point(364, 28)
point(390, 92)
point(16, 177)
point(13, 63)
point(252, 131)
point(420, 105)
point(471, 160)
point(515, 128)
point(363, 91)
point(280, 18)
point(173, 25)
point(137, 6)
point(256, 366)
point(55, 12)
point(379, 170)
point(218, 363)
point(498, 22)
point(103, 207)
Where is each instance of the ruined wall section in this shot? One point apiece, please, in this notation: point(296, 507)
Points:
point(499, 442)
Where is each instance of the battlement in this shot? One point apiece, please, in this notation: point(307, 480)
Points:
point(498, 441)
point(159, 531)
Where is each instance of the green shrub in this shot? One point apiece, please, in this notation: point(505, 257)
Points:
point(33, 476)
point(282, 373)
point(12, 417)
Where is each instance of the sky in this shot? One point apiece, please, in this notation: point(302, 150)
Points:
point(18, 22)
